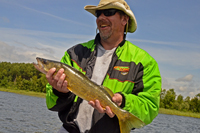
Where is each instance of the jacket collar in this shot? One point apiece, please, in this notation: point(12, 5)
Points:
point(98, 42)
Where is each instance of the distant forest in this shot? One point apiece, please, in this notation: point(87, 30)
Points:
point(24, 76)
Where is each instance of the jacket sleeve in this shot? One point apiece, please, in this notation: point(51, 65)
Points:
point(57, 101)
point(145, 104)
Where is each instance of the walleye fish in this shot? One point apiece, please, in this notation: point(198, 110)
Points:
point(86, 89)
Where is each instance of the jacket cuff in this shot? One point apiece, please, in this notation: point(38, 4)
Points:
point(123, 100)
point(60, 94)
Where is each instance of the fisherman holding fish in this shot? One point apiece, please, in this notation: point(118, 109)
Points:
point(129, 72)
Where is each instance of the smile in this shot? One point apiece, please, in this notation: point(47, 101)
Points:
point(102, 26)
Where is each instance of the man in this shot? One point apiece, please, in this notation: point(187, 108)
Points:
point(109, 60)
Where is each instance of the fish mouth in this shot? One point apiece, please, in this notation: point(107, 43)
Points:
point(39, 66)
point(39, 63)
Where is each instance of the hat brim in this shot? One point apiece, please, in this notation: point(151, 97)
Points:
point(132, 26)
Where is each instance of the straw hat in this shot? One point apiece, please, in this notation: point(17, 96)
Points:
point(115, 4)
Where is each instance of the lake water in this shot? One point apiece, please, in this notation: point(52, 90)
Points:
point(26, 114)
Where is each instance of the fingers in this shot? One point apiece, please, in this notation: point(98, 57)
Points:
point(91, 103)
point(49, 75)
point(62, 84)
point(96, 104)
point(117, 98)
point(58, 82)
point(64, 87)
point(59, 74)
point(109, 112)
point(100, 109)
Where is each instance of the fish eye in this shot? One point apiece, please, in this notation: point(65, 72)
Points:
point(44, 61)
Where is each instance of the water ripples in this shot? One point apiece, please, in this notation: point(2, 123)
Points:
point(26, 114)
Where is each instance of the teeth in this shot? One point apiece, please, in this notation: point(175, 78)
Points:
point(103, 25)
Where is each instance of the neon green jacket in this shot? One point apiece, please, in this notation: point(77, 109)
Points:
point(132, 72)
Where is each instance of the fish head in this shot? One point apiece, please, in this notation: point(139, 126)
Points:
point(44, 65)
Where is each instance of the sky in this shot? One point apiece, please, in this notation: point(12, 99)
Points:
point(168, 30)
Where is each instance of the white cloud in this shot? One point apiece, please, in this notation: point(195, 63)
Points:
point(184, 59)
point(12, 53)
point(187, 78)
point(4, 19)
point(174, 44)
point(165, 83)
point(172, 53)
point(192, 94)
point(21, 35)
point(183, 88)
point(19, 45)
point(47, 49)
point(54, 16)
point(19, 54)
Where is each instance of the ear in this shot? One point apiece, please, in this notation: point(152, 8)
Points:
point(125, 19)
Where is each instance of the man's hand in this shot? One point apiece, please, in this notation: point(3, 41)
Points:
point(58, 81)
point(98, 107)
point(117, 98)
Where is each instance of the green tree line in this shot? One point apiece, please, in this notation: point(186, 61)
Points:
point(24, 76)
point(169, 100)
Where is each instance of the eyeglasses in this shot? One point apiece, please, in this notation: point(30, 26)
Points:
point(107, 12)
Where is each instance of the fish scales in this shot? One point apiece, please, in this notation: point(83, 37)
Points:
point(83, 87)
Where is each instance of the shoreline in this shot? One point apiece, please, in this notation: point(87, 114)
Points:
point(179, 113)
point(25, 92)
point(161, 110)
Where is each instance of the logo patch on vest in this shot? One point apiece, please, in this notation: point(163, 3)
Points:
point(123, 69)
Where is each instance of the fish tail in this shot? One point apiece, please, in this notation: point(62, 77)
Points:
point(128, 121)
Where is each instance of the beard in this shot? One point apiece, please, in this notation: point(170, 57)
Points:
point(105, 34)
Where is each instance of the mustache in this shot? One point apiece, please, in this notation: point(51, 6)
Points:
point(103, 22)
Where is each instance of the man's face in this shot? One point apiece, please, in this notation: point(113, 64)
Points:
point(110, 26)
